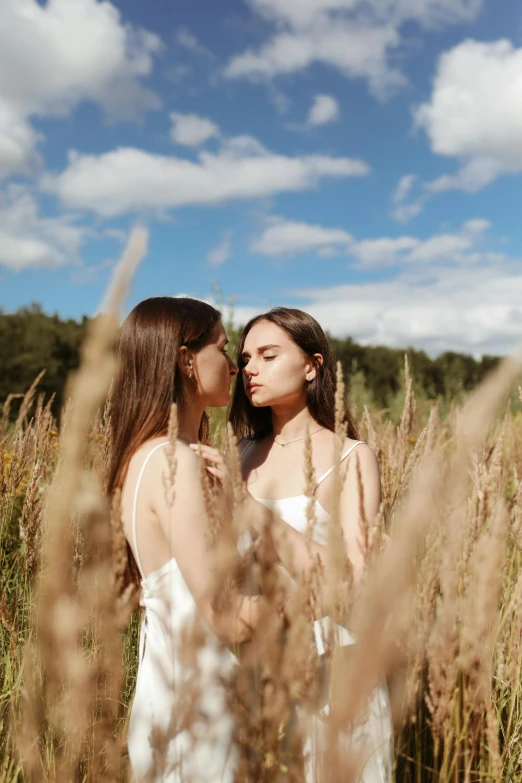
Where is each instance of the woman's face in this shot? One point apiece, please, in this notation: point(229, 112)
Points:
point(275, 370)
point(214, 370)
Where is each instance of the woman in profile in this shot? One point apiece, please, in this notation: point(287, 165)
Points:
point(287, 387)
point(173, 350)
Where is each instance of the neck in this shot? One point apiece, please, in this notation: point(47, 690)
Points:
point(291, 421)
point(189, 422)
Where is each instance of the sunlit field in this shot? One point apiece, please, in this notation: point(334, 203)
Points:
point(439, 611)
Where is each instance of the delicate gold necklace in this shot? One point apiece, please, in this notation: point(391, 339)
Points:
point(288, 442)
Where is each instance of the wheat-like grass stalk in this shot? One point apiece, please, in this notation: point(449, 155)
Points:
point(62, 696)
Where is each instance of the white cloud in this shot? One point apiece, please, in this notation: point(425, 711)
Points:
point(17, 141)
point(285, 237)
point(28, 240)
point(56, 55)
point(384, 251)
point(222, 253)
point(479, 313)
point(188, 41)
point(403, 211)
point(353, 36)
point(475, 113)
point(403, 188)
point(477, 226)
point(304, 13)
point(191, 130)
point(357, 49)
point(404, 250)
point(324, 109)
point(129, 179)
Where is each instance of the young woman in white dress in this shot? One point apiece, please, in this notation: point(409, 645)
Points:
point(287, 387)
point(173, 350)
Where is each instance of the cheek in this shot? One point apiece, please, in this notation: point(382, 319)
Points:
point(283, 377)
point(216, 373)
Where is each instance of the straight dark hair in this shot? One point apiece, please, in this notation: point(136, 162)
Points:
point(148, 379)
point(250, 422)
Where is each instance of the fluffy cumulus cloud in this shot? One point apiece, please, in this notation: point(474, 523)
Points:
point(191, 129)
point(352, 36)
point(55, 55)
point(290, 237)
point(324, 109)
point(131, 180)
point(458, 247)
point(282, 237)
point(29, 240)
point(475, 113)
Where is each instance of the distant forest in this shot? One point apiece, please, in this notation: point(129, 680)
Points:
point(31, 341)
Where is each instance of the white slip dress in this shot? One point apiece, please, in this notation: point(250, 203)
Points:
point(373, 735)
point(180, 728)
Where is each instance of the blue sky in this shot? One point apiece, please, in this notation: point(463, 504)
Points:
point(360, 159)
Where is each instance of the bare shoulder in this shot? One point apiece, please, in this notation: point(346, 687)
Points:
point(159, 459)
point(361, 453)
point(148, 451)
point(175, 483)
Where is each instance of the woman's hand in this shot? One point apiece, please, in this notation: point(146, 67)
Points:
point(217, 468)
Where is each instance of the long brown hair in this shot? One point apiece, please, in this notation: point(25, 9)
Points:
point(250, 422)
point(148, 379)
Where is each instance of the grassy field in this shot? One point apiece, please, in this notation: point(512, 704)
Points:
point(441, 613)
point(439, 610)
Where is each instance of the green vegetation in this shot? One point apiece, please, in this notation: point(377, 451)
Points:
point(31, 341)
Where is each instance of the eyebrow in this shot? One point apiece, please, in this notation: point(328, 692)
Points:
point(261, 349)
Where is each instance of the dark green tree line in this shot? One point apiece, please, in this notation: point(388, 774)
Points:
point(31, 341)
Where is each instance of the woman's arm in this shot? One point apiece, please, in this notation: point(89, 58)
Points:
point(204, 560)
point(359, 505)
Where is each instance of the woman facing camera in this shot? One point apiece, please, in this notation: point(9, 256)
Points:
point(173, 350)
point(287, 387)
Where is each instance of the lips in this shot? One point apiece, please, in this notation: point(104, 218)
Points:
point(251, 387)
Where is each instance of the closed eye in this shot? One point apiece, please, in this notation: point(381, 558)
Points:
point(269, 358)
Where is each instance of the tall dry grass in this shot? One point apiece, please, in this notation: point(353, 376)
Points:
point(439, 611)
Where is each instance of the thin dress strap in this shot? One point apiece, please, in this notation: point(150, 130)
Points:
point(246, 449)
point(343, 457)
point(135, 504)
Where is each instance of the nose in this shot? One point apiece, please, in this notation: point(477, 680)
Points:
point(232, 366)
point(250, 368)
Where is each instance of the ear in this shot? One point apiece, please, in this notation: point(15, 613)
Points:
point(312, 367)
point(186, 361)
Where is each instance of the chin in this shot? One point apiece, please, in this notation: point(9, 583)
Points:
point(257, 403)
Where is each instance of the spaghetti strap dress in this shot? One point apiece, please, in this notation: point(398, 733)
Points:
point(179, 728)
point(373, 735)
